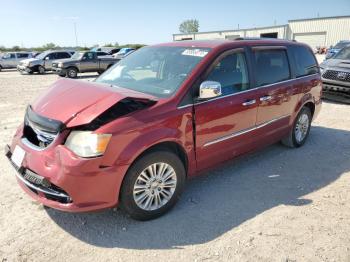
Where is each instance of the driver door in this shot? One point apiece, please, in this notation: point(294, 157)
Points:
point(223, 124)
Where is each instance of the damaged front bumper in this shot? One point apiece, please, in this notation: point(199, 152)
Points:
point(57, 178)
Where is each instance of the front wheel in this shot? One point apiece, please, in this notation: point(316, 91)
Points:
point(153, 185)
point(72, 72)
point(301, 129)
point(41, 70)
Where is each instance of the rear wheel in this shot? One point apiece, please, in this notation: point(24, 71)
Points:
point(153, 185)
point(301, 129)
point(72, 72)
point(41, 70)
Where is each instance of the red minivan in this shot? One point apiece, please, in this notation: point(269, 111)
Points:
point(161, 115)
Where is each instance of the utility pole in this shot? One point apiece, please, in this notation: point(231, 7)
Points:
point(75, 32)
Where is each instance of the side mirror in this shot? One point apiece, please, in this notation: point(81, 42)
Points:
point(47, 58)
point(209, 89)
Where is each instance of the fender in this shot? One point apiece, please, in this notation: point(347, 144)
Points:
point(306, 98)
point(127, 147)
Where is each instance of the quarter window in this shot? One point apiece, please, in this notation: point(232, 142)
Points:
point(231, 72)
point(271, 66)
point(304, 60)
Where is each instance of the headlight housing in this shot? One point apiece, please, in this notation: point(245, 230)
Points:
point(322, 70)
point(87, 144)
point(59, 64)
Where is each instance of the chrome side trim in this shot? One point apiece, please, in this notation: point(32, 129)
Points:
point(244, 131)
point(54, 193)
point(245, 91)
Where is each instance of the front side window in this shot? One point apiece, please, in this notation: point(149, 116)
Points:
point(304, 61)
point(231, 72)
point(158, 71)
point(271, 66)
point(9, 56)
point(22, 55)
point(89, 56)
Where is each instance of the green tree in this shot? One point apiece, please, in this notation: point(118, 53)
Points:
point(16, 48)
point(49, 46)
point(189, 26)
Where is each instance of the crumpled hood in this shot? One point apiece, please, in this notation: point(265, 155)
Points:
point(76, 102)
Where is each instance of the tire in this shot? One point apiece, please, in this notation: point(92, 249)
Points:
point(41, 70)
point(301, 129)
point(135, 187)
point(72, 72)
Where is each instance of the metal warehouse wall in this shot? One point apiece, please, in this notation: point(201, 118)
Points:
point(231, 34)
point(280, 30)
point(336, 29)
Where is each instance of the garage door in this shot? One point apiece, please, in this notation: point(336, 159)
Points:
point(312, 39)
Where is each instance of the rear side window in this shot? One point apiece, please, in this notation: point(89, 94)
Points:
point(22, 55)
point(304, 60)
point(101, 53)
point(272, 66)
point(62, 55)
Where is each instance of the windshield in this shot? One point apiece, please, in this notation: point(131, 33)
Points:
point(343, 54)
point(42, 55)
point(77, 55)
point(158, 71)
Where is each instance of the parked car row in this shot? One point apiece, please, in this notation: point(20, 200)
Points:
point(64, 62)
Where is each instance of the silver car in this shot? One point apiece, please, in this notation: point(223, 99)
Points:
point(12, 59)
point(336, 73)
point(42, 62)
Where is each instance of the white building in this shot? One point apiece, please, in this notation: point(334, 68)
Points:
point(321, 31)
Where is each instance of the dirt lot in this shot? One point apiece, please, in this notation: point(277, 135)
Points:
point(277, 204)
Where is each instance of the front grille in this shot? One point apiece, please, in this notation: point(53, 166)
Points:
point(336, 75)
point(40, 131)
point(36, 136)
point(54, 64)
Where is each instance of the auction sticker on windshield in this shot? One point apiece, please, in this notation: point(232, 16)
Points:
point(195, 52)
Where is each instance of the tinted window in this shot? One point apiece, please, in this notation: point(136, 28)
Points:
point(62, 55)
point(231, 73)
point(101, 53)
point(21, 55)
point(272, 66)
point(304, 61)
point(52, 56)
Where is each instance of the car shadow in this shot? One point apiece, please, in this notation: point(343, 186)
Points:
point(224, 197)
point(87, 76)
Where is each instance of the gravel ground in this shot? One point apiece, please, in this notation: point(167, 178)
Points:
point(277, 204)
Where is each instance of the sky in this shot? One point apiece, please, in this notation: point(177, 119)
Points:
point(35, 23)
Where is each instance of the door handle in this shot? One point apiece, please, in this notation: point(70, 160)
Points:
point(265, 98)
point(249, 102)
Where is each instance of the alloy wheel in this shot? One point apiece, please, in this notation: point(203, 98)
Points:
point(302, 127)
point(155, 186)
